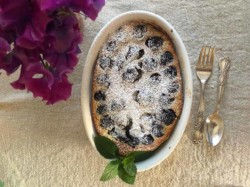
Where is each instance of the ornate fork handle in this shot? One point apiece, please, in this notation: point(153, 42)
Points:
point(199, 120)
point(223, 70)
point(198, 134)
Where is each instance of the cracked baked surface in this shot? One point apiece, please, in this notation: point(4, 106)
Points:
point(137, 88)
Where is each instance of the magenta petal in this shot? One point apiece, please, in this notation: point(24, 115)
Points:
point(13, 14)
point(89, 7)
point(64, 32)
point(38, 70)
point(8, 35)
point(92, 7)
point(27, 43)
point(52, 5)
point(4, 45)
point(61, 90)
point(10, 64)
point(63, 63)
point(42, 83)
point(18, 85)
point(66, 60)
point(39, 87)
point(34, 31)
point(72, 60)
point(28, 76)
point(38, 80)
point(8, 61)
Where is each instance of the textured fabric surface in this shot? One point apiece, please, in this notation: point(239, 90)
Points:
point(47, 146)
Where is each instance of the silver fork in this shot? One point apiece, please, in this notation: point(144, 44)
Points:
point(204, 69)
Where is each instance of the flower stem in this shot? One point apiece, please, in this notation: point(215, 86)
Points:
point(45, 64)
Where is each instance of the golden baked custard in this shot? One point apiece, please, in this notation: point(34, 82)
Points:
point(137, 88)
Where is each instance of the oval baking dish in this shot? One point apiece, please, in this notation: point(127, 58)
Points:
point(163, 152)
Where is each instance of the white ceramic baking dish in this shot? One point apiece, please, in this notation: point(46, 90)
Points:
point(164, 151)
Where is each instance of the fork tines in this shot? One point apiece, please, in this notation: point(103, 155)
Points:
point(206, 58)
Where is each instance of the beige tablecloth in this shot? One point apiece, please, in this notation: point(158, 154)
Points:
point(47, 146)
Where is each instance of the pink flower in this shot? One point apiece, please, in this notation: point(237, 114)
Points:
point(34, 31)
point(89, 7)
point(14, 13)
point(7, 61)
point(42, 83)
point(42, 37)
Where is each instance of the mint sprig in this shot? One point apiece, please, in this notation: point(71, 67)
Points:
point(122, 166)
point(129, 166)
point(1, 184)
point(125, 176)
point(111, 170)
point(106, 147)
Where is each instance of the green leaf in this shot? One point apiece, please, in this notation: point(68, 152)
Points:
point(106, 147)
point(140, 155)
point(125, 176)
point(129, 165)
point(1, 184)
point(111, 170)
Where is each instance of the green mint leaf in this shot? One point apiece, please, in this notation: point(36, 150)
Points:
point(111, 170)
point(1, 184)
point(125, 176)
point(129, 165)
point(106, 147)
point(140, 155)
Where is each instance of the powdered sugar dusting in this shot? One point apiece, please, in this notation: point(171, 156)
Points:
point(131, 80)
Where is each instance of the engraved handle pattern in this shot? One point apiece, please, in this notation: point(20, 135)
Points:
point(224, 65)
point(199, 120)
point(198, 135)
